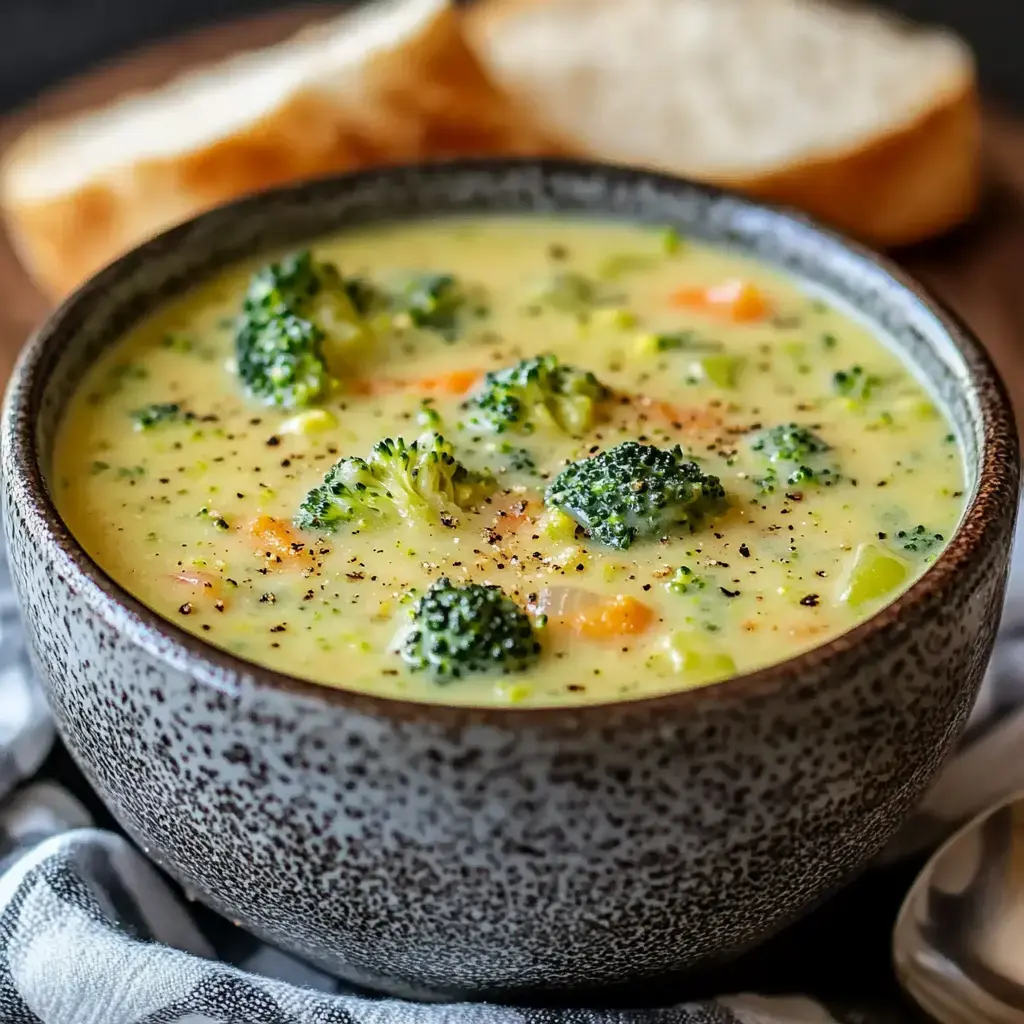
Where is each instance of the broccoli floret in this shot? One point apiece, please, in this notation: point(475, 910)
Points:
point(793, 455)
point(537, 392)
point(465, 629)
point(855, 384)
point(153, 415)
point(634, 491)
point(279, 343)
point(419, 481)
point(435, 302)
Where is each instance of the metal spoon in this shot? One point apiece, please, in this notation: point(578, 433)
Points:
point(958, 943)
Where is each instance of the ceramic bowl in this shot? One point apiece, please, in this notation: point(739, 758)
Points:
point(508, 854)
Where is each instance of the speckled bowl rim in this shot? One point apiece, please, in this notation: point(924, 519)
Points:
point(162, 639)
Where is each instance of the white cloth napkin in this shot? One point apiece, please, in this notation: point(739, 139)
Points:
point(90, 933)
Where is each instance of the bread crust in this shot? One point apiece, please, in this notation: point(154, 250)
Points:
point(918, 180)
point(424, 100)
point(431, 98)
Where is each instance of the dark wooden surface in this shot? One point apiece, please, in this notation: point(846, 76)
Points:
point(841, 952)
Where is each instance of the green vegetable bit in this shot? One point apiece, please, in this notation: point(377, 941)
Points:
point(153, 415)
point(366, 298)
point(468, 629)
point(855, 384)
point(919, 540)
point(634, 491)
point(685, 581)
point(185, 344)
point(514, 459)
point(676, 341)
point(537, 392)
point(422, 481)
point(427, 415)
point(671, 241)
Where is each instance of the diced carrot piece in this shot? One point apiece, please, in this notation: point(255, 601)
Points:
point(618, 617)
point(456, 383)
point(516, 512)
point(370, 387)
point(689, 298)
point(275, 538)
point(739, 301)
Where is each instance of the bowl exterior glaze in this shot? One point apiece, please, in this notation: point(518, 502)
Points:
point(518, 855)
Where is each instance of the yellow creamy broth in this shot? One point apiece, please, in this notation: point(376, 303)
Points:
point(166, 510)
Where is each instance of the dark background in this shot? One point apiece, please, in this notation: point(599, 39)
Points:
point(44, 40)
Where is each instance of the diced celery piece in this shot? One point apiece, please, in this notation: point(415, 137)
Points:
point(611, 571)
point(874, 574)
point(883, 421)
point(646, 344)
point(310, 422)
point(614, 317)
point(556, 525)
point(620, 263)
point(671, 241)
point(514, 693)
point(918, 407)
point(796, 352)
point(691, 656)
point(381, 323)
point(720, 370)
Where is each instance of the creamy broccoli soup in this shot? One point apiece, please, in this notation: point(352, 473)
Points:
point(511, 462)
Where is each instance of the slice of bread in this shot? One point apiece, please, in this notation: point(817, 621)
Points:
point(392, 82)
point(866, 122)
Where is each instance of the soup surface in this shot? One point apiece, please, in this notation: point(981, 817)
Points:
point(813, 479)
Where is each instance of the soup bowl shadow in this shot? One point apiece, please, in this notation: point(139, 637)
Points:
point(521, 855)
